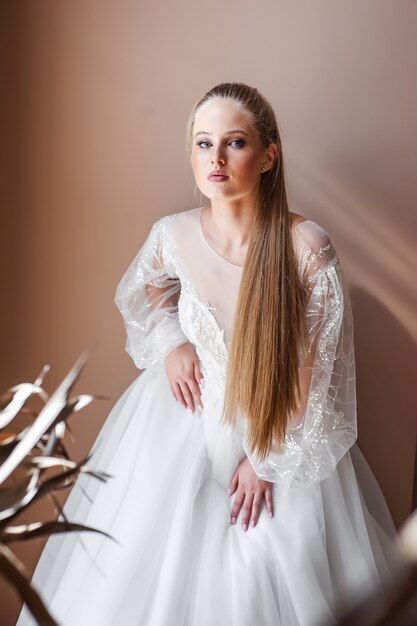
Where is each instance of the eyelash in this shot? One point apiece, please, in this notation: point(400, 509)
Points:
point(240, 140)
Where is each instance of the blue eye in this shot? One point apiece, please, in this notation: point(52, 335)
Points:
point(241, 142)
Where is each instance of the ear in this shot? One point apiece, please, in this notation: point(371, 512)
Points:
point(271, 155)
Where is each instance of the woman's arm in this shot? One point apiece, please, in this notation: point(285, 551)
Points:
point(147, 297)
point(325, 426)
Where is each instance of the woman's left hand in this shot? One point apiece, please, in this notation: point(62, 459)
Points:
point(251, 491)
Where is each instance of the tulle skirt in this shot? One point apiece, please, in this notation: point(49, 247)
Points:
point(178, 560)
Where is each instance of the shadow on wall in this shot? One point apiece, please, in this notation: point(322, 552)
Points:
point(386, 362)
point(373, 237)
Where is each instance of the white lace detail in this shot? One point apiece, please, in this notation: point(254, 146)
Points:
point(162, 309)
point(147, 298)
point(201, 328)
point(328, 428)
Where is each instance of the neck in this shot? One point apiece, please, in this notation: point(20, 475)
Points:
point(230, 225)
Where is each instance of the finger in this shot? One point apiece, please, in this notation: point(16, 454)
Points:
point(172, 391)
point(256, 507)
point(189, 402)
point(237, 505)
point(198, 374)
point(195, 390)
point(247, 509)
point(178, 393)
point(234, 482)
point(269, 501)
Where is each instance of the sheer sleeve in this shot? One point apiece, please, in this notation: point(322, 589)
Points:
point(147, 297)
point(326, 427)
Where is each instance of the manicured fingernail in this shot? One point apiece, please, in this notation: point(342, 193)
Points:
point(252, 523)
point(200, 406)
point(244, 527)
point(270, 513)
point(230, 491)
point(233, 520)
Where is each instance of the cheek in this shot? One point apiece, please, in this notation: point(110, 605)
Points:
point(198, 159)
point(249, 165)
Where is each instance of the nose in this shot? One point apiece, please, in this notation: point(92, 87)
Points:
point(217, 156)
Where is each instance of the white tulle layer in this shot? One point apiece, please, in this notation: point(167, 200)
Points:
point(180, 560)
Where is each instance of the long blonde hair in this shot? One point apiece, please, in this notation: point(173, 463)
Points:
point(262, 378)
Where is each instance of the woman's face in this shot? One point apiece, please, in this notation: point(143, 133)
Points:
point(224, 138)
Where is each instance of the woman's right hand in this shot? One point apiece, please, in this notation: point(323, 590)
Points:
point(184, 375)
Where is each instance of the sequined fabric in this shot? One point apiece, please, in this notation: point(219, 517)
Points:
point(328, 427)
point(178, 289)
point(147, 297)
point(177, 558)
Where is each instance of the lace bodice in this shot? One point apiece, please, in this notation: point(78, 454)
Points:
point(179, 289)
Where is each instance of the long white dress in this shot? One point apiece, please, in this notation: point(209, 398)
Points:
point(179, 560)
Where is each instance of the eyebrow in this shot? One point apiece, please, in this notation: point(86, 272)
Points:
point(236, 130)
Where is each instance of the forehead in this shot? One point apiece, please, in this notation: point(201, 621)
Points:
point(221, 115)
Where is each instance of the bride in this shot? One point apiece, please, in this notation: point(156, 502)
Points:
point(238, 493)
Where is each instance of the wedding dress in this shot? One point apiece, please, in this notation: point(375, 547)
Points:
point(179, 561)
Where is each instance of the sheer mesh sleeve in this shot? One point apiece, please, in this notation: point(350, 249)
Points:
point(147, 297)
point(318, 438)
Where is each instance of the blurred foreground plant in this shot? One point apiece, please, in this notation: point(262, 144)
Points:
point(35, 449)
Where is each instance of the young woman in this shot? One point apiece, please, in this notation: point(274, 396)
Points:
point(235, 494)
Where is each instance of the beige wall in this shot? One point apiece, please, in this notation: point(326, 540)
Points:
point(95, 100)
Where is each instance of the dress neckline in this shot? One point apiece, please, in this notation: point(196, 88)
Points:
point(200, 227)
point(240, 267)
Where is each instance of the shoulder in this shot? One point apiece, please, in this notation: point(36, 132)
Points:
point(313, 235)
point(180, 216)
point(314, 248)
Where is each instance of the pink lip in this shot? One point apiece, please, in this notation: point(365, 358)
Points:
point(218, 175)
